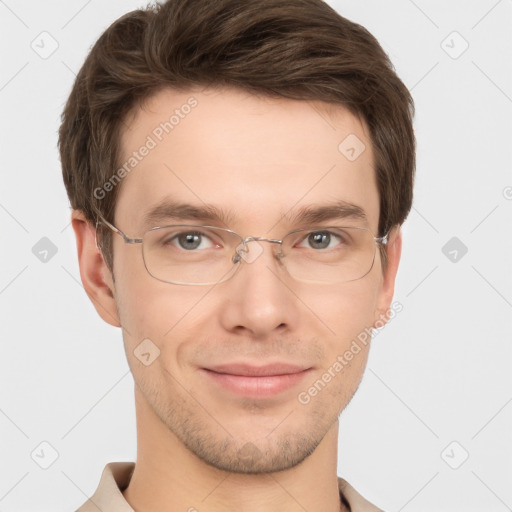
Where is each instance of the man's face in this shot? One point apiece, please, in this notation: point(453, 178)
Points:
point(256, 159)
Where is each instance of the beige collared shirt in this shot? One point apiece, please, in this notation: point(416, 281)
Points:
point(116, 476)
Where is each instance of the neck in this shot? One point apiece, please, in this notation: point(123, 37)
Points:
point(169, 477)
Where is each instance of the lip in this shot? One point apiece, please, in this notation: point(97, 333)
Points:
point(256, 382)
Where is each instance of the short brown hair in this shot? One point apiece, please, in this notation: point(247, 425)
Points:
point(298, 49)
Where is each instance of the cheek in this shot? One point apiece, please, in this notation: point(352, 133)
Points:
point(347, 313)
point(155, 309)
point(348, 309)
point(161, 312)
point(148, 307)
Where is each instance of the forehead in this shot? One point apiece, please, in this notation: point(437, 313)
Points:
point(252, 156)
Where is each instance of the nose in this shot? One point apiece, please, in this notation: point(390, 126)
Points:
point(259, 299)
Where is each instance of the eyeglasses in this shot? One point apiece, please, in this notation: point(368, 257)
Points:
point(189, 254)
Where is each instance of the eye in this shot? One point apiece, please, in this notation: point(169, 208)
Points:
point(322, 239)
point(189, 240)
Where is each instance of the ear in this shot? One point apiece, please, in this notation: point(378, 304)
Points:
point(393, 251)
point(95, 275)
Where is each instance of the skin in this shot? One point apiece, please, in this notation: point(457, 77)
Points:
point(199, 445)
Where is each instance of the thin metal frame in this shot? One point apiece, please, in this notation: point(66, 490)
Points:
point(383, 240)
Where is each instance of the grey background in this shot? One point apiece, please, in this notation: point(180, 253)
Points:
point(438, 385)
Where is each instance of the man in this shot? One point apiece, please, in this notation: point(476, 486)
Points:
point(238, 174)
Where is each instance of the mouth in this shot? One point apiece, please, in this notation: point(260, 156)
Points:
point(256, 382)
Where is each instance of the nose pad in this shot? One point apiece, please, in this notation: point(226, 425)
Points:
point(238, 256)
point(247, 253)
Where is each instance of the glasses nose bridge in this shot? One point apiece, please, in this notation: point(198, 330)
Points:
point(261, 239)
point(241, 246)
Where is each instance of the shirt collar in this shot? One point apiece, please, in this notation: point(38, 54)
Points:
point(116, 476)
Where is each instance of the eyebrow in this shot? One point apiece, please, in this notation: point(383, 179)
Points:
point(169, 209)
